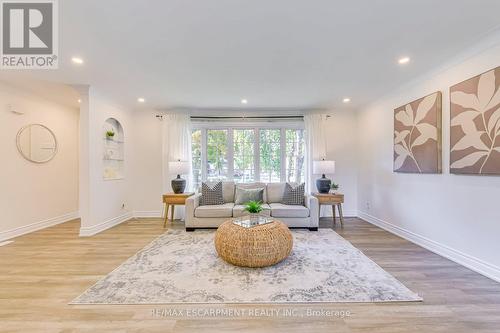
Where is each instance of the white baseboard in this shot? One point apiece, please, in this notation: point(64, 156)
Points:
point(19, 231)
point(95, 229)
point(147, 213)
point(484, 268)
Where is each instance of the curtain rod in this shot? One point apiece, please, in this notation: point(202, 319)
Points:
point(242, 117)
point(249, 117)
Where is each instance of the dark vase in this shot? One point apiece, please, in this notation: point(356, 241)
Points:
point(178, 185)
point(323, 184)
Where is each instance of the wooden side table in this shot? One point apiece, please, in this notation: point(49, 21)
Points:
point(173, 199)
point(333, 199)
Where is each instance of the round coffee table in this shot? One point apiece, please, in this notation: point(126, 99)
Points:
point(258, 246)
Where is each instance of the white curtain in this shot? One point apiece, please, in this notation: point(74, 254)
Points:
point(315, 145)
point(176, 146)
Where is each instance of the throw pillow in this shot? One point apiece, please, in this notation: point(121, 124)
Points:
point(244, 195)
point(211, 195)
point(294, 195)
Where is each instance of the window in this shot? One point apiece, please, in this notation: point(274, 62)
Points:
point(217, 165)
point(244, 169)
point(270, 155)
point(196, 151)
point(248, 154)
point(295, 149)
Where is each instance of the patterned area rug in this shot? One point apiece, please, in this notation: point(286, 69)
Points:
point(181, 267)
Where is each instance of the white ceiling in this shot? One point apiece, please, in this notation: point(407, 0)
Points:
point(275, 53)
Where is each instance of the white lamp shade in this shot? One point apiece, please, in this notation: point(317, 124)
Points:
point(323, 167)
point(179, 167)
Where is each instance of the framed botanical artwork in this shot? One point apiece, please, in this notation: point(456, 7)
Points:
point(475, 125)
point(417, 135)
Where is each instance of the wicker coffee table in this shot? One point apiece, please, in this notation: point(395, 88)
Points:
point(257, 246)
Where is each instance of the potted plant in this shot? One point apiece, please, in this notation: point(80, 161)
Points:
point(254, 208)
point(110, 135)
point(334, 187)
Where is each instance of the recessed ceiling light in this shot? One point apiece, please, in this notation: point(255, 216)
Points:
point(141, 100)
point(244, 101)
point(77, 60)
point(346, 100)
point(79, 101)
point(404, 60)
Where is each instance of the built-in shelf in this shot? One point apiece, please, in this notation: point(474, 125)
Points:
point(113, 141)
point(113, 151)
point(117, 178)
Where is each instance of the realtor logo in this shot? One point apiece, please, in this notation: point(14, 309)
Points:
point(29, 34)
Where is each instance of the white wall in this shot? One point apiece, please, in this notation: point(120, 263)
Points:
point(103, 203)
point(33, 196)
point(341, 147)
point(147, 164)
point(456, 216)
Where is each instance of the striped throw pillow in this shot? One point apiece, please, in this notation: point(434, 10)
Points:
point(294, 195)
point(211, 194)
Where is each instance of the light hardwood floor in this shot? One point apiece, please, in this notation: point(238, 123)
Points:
point(41, 272)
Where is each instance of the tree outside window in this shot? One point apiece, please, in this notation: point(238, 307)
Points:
point(295, 155)
point(244, 170)
point(270, 155)
point(279, 155)
point(217, 165)
point(196, 153)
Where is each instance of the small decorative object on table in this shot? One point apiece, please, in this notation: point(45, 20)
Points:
point(335, 187)
point(252, 221)
point(110, 135)
point(178, 168)
point(321, 168)
point(254, 208)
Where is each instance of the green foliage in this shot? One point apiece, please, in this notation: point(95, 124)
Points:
point(217, 153)
point(270, 156)
point(254, 207)
point(243, 149)
point(217, 164)
point(295, 155)
point(334, 186)
point(110, 134)
point(196, 153)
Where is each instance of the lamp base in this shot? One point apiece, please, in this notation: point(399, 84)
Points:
point(178, 185)
point(323, 184)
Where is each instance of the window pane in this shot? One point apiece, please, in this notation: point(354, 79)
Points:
point(295, 148)
point(217, 155)
point(270, 164)
point(244, 155)
point(196, 151)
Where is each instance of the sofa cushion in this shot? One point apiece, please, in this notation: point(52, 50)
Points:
point(253, 186)
point(211, 194)
point(275, 192)
point(224, 210)
point(281, 210)
point(294, 195)
point(239, 210)
point(228, 191)
point(244, 195)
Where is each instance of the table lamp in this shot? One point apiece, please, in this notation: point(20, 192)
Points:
point(179, 168)
point(321, 168)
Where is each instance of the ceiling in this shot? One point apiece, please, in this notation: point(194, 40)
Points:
point(279, 54)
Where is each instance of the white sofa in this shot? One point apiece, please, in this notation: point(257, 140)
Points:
point(211, 216)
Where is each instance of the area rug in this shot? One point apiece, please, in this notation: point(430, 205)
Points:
point(182, 267)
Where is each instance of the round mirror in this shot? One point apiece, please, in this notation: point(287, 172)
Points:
point(37, 143)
